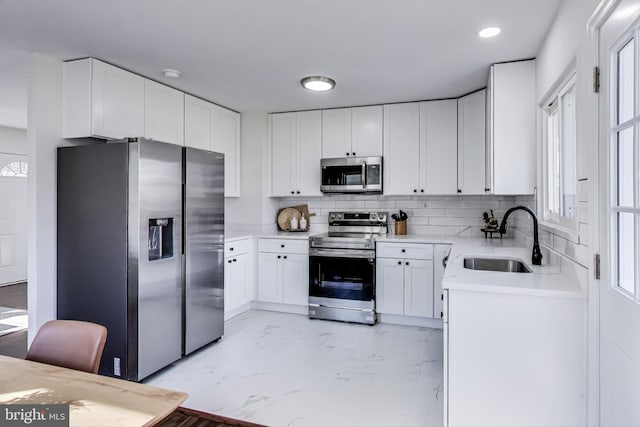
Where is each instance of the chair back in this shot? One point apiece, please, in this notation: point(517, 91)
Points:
point(70, 344)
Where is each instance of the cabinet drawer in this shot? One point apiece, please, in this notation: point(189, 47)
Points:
point(405, 250)
point(284, 246)
point(237, 247)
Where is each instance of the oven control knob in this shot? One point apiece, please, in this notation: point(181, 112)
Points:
point(340, 216)
point(332, 216)
point(374, 216)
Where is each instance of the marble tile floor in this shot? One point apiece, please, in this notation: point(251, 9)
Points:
point(287, 370)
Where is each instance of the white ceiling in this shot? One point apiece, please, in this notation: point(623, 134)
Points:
point(249, 55)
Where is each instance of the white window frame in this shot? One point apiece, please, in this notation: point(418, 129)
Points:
point(567, 227)
point(615, 129)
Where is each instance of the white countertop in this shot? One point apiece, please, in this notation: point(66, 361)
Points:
point(545, 280)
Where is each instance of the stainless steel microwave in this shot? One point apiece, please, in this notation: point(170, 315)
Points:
point(351, 175)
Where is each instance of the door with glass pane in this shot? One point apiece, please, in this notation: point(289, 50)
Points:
point(619, 213)
point(13, 218)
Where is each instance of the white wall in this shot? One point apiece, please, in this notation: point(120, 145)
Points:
point(567, 39)
point(253, 207)
point(13, 140)
point(44, 134)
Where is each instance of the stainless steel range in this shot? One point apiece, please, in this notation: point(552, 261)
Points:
point(342, 267)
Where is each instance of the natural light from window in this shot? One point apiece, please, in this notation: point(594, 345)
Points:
point(15, 169)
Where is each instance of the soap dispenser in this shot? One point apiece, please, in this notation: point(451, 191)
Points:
point(303, 223)
point(294, 223)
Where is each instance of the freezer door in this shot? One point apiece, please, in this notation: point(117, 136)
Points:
point(155, 252)
point(204, 247)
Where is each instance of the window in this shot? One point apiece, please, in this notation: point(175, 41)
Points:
point(624, 149)
point(15, 169)
point(559, 164)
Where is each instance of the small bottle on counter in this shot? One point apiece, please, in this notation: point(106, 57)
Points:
point(303, 223)
point(294, 223)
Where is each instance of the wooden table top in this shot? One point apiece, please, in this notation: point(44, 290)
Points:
point(94, 400)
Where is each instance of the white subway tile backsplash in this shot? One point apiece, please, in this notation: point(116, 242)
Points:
point(380, 204)
point(349, 204)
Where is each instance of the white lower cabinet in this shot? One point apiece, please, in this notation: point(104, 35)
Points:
point(238, 277)
point(283, 271)
point(404, 286)
point(514, 360)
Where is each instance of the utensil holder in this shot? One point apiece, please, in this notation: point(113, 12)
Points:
point(401, 228)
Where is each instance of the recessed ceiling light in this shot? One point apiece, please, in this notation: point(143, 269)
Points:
point(489, 32)
point(318, 83)
point(172, 74)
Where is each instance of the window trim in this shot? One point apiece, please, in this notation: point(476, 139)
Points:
point(566, 227)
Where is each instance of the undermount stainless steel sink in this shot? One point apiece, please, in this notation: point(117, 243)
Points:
point(496, 264)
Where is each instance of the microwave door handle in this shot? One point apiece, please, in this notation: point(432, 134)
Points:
point(364, 174)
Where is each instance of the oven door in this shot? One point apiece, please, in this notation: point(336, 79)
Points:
point(342, 274)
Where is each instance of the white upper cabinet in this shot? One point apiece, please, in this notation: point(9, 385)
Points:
point(336, 133)
point(295, 154)
point(210, 127)
point(366, 131)
point(163, 113)
point(420, 148)
point(512, 128)
point(226, 139)
point(472, 143)
point(401, 173)
point(198, 123)
point(439, 146)
point(102, 101)
point(352, 132)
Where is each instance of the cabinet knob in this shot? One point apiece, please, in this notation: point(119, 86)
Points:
point(229, 261)
point(347, 154)
point(282, 246)
point(230, 249)
point(422, 191)
point(285, 257)
point(404, 250)
point(353, 154)
point(415, 191)
point(407, 263)
point(298, 192)
point(486, 190)
point(234, 260)
point(441, 297)
point(399, 262)
point(441, 315)
point(293, 192)
point(279, 256)
point(459, 191)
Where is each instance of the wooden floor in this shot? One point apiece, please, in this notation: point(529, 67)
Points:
point(14, 344)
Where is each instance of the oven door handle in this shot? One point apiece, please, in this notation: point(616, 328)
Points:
point(341, 253)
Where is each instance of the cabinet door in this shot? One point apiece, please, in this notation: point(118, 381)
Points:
point(296, 279)
point(514, 130)
point(163, 113)
point(283, 144)
point(238, 281)
point(270, 274)
point(226, 139)
point(118, 102)
point(336, 133)
point(366, 131)
point(308, 150)
point(471, 143)
point(197, 123)
point(401, 149)
point(440, 252)
point(439, 134)
point(389, 285)
point(418, 288)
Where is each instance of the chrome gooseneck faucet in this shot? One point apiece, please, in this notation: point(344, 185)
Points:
point(536, 256)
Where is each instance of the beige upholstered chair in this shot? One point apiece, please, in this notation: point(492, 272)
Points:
point(70, 344)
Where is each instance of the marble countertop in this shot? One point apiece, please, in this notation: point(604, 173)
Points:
point(545, 280)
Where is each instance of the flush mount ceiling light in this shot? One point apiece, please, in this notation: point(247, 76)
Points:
point(172, 74)
point(489, 32)
point(318, 83)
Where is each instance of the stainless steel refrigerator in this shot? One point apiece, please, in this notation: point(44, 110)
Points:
point(140, 249)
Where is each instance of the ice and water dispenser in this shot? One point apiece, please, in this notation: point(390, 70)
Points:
point(160, 238)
